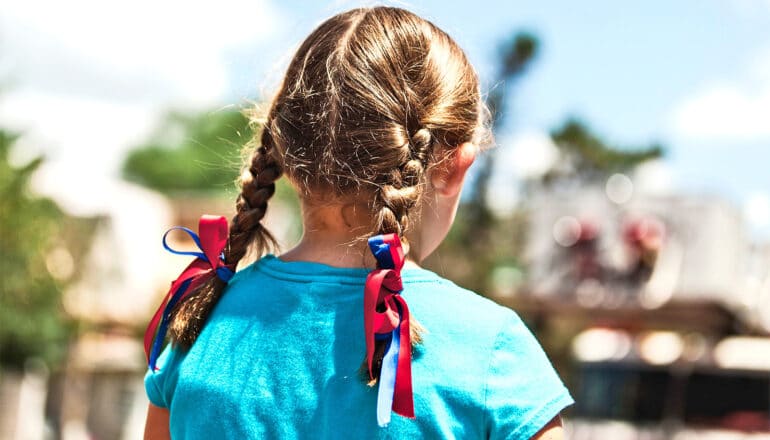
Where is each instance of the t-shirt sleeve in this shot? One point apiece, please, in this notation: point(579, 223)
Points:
point(523, 391)
point(160, 384)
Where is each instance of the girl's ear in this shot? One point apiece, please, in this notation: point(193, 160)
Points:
point(448, 177)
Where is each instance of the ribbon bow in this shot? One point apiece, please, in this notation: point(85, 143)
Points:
point(208, 263)
point(386, 317)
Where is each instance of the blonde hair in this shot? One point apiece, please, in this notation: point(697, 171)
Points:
point(368, 101)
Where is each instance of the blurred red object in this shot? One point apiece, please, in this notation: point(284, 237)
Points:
point(645, 234)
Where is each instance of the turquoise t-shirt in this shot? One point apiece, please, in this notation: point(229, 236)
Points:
point(280, 354)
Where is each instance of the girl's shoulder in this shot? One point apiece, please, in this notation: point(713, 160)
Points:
point(490, 356)
point(437, 298)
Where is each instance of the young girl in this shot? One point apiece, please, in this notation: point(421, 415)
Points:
point(375, 124)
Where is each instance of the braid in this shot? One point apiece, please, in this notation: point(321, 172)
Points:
point(257, 186)
point(400, 194)
point(395, 201)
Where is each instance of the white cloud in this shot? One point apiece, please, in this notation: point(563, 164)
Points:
point(749, 8)
point(732, 111)
point(756, 209)
point(526, 155)
point(85, 80)
point(146, 50)
point(654, 177)
point(531, 155)
point(86, 134)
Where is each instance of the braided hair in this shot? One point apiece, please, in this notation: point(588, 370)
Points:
point(246, 230)
point(371, 101)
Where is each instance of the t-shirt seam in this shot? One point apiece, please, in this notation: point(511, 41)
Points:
point(562, 397)
point(160, 395)
point(331, 279)
point(492, 352)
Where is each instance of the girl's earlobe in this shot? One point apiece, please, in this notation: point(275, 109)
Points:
point(448, 179)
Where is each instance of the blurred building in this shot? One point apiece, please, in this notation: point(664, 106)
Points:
point(666, 300)
point(118, 273)
point(125, 275)
point(121, 274)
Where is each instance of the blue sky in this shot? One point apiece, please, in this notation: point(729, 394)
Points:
point(627, 69)
point(622, 67)
point(693, 75)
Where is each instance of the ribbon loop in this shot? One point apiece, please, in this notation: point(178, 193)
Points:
point(207, 264)
point(386, 318)
point(192, 235)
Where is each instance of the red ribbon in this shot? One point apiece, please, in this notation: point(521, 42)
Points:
point(212, 239)
point(382, 291)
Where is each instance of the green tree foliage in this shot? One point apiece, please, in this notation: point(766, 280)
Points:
point(191, 152)
point(516, 55)
point(586, 158)
point(32, 322)
point(200, 154)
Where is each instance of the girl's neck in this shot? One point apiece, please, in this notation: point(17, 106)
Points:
point(334, 251)
point(329, 248)
point(332, 236)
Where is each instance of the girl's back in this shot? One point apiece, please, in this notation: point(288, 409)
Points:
point(280, 355)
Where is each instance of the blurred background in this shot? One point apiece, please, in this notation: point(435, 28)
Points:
point(623, 212)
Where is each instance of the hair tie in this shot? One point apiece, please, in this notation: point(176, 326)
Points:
point(208, 263)
point(391, 324)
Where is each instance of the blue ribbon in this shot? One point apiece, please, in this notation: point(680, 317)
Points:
point(224, 273)
point(158, 342)
point(381, 251)
point(387, 380)
point(195, 238)
point(388, 375)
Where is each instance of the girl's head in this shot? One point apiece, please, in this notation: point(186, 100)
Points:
point(372, 101)
point(379, 108)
